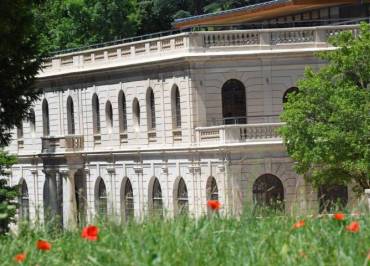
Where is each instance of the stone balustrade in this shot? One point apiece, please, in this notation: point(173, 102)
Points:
point(238, 133)
point(192, 43)
point(71, 143)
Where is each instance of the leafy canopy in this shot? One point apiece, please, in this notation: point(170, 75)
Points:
point(327, 129)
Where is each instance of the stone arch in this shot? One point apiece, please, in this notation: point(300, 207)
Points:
point(101, 198)
point(176, 107)
point(45, 118)
point(268, 190)
point(24, 201)
point(96, 114)
point(127, 199)
point(234, 102)
point(287, 92)
point(180, 196)
point(70, 116)
point(155, 197)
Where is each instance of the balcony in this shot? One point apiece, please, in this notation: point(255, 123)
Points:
point(238, 133)
point(72, 143)
point(188, 44)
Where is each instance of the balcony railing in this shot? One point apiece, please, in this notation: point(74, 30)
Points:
point(71, 143)
point(226, 134)
point(192, 43)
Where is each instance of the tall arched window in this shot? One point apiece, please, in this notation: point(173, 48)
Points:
point(24, 203)
point(70, 116)
point(32, 120)
point(332, 197)
point(176, 108)
point(45, 118)
point(157, 201)
point(101, 198)
point(212, 189)
point(122, 112)
point(151, 109)
point(20, 131)
point(80, 196)
point(109, 116)
point(289, 91)
point(136, 114)
point(234, 107)
point(96, 114)
point(127, 200)
point(268, 191)
point(182, 198)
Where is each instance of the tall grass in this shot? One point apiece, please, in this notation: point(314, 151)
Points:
point(247, 240)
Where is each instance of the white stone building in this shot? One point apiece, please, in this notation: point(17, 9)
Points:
point(166, 123)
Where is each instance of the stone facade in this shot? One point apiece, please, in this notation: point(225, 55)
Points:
point(65, 154)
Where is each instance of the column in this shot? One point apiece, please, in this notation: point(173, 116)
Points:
point(69, 198)
point(111, 196)
point(52, 189)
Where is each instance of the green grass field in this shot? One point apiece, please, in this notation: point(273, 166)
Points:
point(207, 241)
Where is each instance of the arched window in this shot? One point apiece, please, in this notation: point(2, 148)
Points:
point(127, 201)
point(45, 118)
point(109, 116)
point(234, 107)
point(122, 112)
point(136, 114)
point(182, 198)
point(151, 109)
point(96, 114)
point(32, 120)
point(212, 189)
point(268, 191)
point(70, 116)
point(332, 197)
point(289, 91)
point(157, 201)
point(81, 196)
point(24, 203)
point(101, 199)
point(176, 108)
point(20, 131)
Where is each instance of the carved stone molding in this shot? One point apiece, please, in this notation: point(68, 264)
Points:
point(138, 169)
point(221, 168)
point(164, 169)
point(111, 169)
point(33, 171)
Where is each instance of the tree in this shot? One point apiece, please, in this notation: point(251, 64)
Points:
point(327, 129)
point(7, 195)
point(20, 61)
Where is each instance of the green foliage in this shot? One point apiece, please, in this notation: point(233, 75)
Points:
point(75, 23)
point(20, 61)
point(217, 241)
point(327, 122)
point(7, 195)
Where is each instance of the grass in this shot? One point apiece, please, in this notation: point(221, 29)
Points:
point(207, 241)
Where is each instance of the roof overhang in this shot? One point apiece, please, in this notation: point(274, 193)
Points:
point(258, 12)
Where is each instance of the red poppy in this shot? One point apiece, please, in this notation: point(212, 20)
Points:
point(20, 257)
point(90, 232)
point(43, 245)
point(339, 216)
point(298, 224)
point(214, 205)
point(353, 227)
